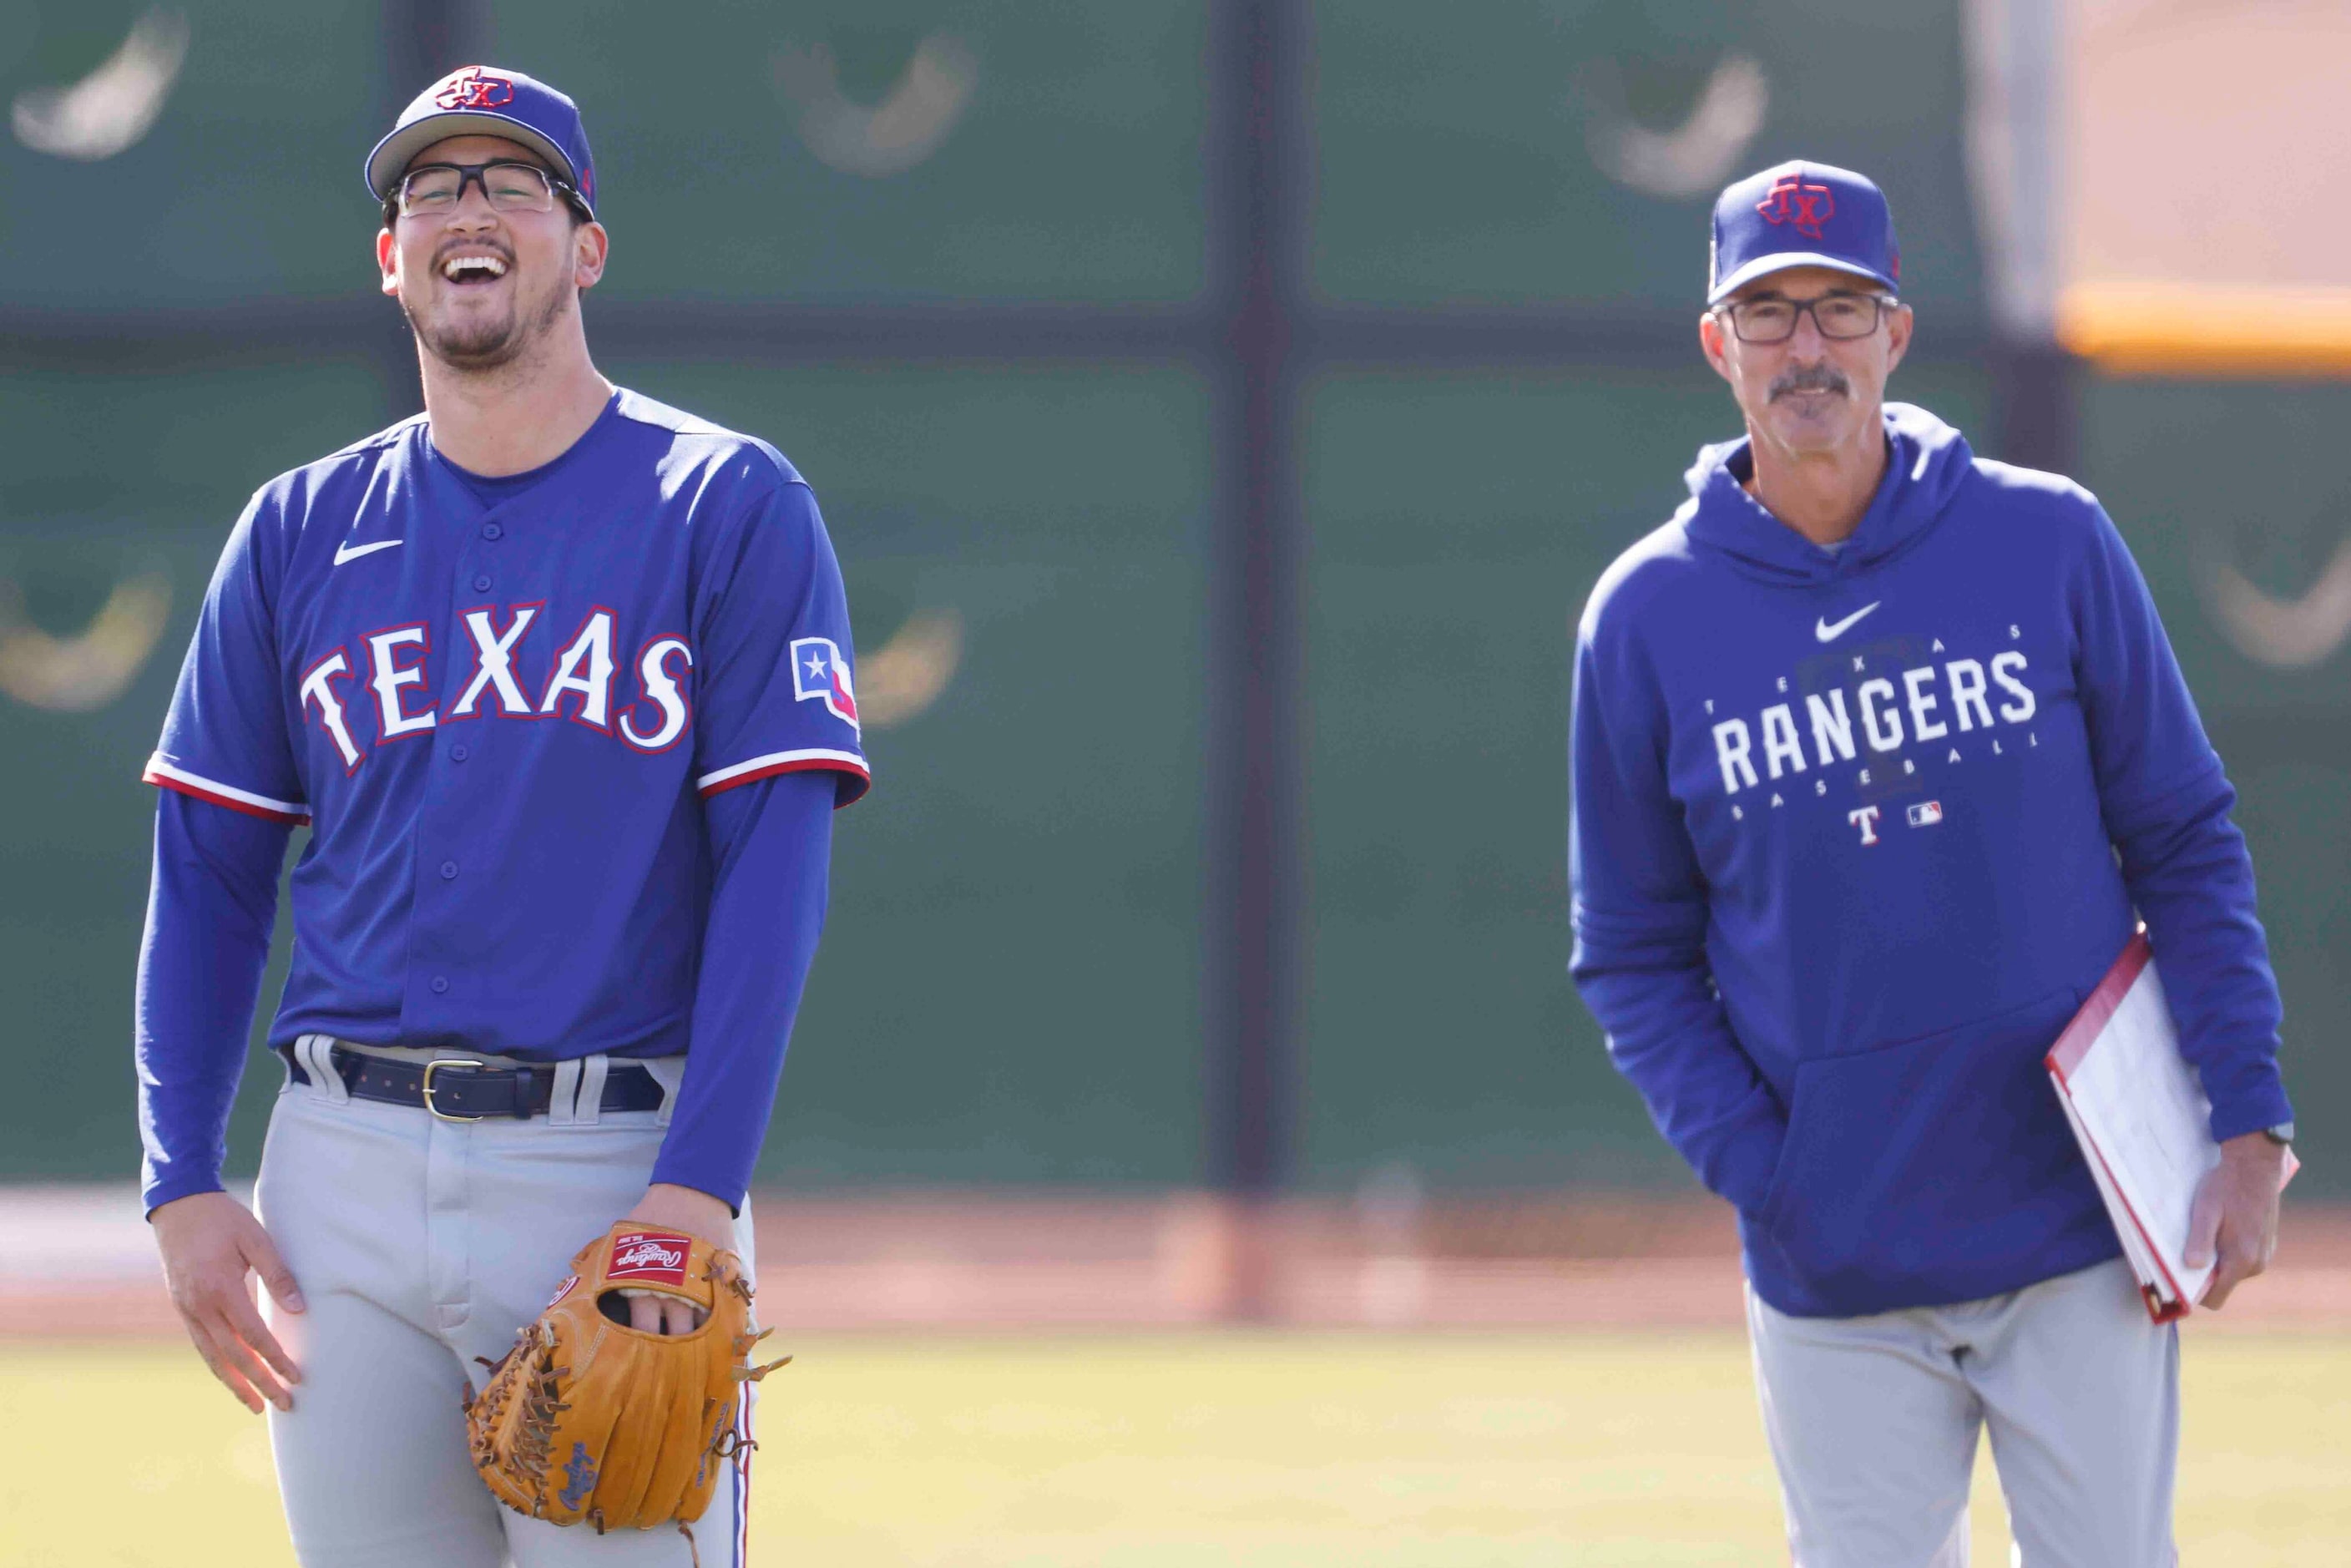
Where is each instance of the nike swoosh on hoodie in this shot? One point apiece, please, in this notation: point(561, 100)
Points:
point(1829, 631)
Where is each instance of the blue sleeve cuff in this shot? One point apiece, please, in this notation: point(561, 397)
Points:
point(2252, 1098)
point(175, 1188)
point(702, 1175)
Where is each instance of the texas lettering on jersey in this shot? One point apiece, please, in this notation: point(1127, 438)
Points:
point(390, 675)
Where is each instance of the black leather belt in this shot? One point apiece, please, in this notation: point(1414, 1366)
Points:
point(460, 1088)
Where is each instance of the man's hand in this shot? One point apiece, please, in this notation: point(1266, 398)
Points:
point(2236, 1213)
point(210, 1242)
point(673, 1207)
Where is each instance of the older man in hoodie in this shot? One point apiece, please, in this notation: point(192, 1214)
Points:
point(1878, 750)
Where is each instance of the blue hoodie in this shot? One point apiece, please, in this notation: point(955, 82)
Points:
point(1855, 833)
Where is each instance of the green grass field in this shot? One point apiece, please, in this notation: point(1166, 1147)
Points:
point(1390, 1451)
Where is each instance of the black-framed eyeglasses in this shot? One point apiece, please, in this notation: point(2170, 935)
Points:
point(434, 190)
point(1842, 314)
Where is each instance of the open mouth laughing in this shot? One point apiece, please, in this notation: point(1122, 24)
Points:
point(473, 269)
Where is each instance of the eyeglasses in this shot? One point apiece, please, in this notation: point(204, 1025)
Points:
point(431, 190)
point(1772, 319)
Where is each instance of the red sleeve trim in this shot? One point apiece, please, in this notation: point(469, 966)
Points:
point(163, 774)
point(855, 778)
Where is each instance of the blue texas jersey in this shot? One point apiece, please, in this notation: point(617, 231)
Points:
point(498, 703)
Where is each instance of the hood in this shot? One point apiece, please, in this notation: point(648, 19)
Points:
point(1929, 463)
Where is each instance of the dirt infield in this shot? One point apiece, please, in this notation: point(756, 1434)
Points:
point(79, 1264)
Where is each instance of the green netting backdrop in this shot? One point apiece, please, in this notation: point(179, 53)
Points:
point(1462, 148)
point(1069, 169)
point(246, 187)
point(1009, 989)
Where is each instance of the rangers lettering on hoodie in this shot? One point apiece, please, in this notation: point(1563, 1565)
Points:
point(1936, 700)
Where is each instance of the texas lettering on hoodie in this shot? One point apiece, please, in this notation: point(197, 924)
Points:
point(1856, 832)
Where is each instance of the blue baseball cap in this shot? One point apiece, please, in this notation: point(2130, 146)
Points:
point(1802, 214)
point(484, 100)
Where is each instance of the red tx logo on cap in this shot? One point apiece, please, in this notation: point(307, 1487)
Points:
point(1794, 201)
point(469, 89)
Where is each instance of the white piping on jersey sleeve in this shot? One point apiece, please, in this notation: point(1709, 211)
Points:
point(161, 772)
point(776, 762)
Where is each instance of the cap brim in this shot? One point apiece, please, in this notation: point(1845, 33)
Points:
point(1781, 261)
point(396, 151)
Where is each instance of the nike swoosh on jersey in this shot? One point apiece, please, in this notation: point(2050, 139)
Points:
point(1829, 631)
point(353, 552)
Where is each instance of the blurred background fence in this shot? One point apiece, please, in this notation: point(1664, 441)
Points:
point(1222, 408)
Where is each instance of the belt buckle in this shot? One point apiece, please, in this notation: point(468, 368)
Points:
point(433, 1067)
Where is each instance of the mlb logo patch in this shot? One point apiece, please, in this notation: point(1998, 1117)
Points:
point(820, 673)
point(657, 1256)
point(1926, 813)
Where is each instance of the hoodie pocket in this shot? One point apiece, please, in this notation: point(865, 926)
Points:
point(1906, 1157)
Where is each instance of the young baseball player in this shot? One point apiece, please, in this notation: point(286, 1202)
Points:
point(1879, 747)
point(560, 680)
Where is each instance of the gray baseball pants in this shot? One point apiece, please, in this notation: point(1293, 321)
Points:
point(419, 1245)
point(1873, 1423)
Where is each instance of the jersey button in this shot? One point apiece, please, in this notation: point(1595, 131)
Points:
point(439, 984)
point(448, 870)
point(482, 584)
point(457, 753)
point(492, 531)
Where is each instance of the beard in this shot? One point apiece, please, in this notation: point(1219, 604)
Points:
point(480, 344)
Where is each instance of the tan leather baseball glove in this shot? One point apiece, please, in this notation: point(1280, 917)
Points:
point(589, 1419)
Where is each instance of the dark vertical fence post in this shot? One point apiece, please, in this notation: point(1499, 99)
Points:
point(1258, 182)
point(2034, 402)
point(423, 40)
point(428, 38)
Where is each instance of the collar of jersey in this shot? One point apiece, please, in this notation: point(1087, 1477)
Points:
point(508, 485)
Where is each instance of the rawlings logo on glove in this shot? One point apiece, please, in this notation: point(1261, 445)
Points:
point(589, 1419)
point(649, 1255)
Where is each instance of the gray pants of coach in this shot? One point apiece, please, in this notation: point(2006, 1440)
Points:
point(419, 1245)
point(1874, 1422)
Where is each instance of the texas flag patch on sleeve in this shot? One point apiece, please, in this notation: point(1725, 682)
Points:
point(821, 674)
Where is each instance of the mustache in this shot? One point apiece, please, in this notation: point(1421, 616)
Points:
point(1810, 379)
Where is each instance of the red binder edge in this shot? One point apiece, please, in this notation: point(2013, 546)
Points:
point(2065, 1057)
point(2156, 1307)
point(2091, 1021)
